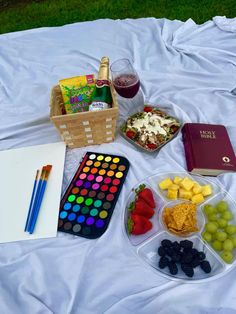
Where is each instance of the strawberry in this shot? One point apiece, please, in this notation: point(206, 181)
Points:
point(142, 208)
point(130, 134)
point(139, 224)
point(146, 194)
point(147, 109)
point(151, 146)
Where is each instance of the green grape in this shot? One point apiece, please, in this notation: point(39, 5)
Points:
point(207, 236)
point(222, 206)
point(234, 241)
point(216, 224)
point(228, 245)
point(227, 256)
point(212, 217)
point(217, 245)
point(221, 236)
point(209, 209)
point(211, 227)
point(230, 229)
point(222, 223)
point(227, 215)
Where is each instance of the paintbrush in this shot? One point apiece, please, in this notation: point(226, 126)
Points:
point(40, 198)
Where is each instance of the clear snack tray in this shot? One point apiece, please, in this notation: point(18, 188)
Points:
point(146, 246)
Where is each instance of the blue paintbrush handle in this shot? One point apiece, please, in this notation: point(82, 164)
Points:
point(30, 207)
point(34, 205)
point(37, 208)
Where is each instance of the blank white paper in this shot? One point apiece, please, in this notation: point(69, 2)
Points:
point(17, 170)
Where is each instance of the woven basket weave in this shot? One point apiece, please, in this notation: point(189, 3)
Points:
point(84, 128)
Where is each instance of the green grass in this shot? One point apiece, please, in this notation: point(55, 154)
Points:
point(25, 14)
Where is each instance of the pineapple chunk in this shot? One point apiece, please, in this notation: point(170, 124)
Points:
point(177, 180)
point(197, 188)
point(172, 194)
point(197, 198)
point(206, 190)
point(187, 183)
point(173, 187)
point(164, 184)
point(185, 194)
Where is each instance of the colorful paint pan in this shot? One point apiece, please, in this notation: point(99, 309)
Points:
point(87, 206)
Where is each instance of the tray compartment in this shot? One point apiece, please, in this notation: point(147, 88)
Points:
point(148, 252)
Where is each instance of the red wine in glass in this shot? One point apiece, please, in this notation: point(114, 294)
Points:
point(127, 85)
point(125, 78)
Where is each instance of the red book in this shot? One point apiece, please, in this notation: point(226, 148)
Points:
point(208, 149)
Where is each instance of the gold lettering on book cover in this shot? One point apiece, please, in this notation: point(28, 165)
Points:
point(208, 134)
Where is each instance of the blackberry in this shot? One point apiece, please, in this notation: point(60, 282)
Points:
point(187, 250)
point(166, 243)
point(176, 246)
point(205, 266)
point(187, 258)
point(187, 269)
point(176, 257)
point(163, 262)
point(173, 268)
point(169, 251)
point(194, 252)
point(201, 255)
point(195, 262)
point(161, 251)
point(186, 244)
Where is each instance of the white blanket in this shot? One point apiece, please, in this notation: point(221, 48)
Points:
point(187, 67)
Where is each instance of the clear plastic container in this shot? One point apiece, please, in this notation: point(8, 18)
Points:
point(146, 246)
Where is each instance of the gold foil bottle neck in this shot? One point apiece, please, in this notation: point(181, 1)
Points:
point(103, 73)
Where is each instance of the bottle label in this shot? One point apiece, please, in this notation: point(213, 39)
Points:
point(98, 105)
point(101, 83)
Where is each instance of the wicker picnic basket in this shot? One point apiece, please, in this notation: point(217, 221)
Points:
point(84, 128)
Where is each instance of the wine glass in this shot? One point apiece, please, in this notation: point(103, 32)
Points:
point(125, 79)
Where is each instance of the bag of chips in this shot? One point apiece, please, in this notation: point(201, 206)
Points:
point(76, 92)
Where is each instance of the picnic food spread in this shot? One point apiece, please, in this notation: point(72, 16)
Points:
point(180, 224)
point(181, 238)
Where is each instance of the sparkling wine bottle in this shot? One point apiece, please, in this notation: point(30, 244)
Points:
point(101, 97)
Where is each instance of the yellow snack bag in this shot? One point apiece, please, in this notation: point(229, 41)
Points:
point(76, 92)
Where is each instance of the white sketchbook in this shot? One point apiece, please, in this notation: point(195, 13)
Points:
point(17, 170)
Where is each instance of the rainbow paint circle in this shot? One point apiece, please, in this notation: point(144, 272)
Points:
point(71, 198)
point(100, 223)
point(90, 177)
point(105, 165)
point(79, 183)
point(103, 214)
point(81, 219)
point(107, 180)
point(108, 158)
point(116, 182)
point(99, 179)
point(119, 175)
point(85, 210)
point(80, 199)
point(86, 230)
point(89, 163)
point(104, 188)
point(95, 186)
point(87, 184)
point(100, 157)
point(94, 212)
point(76, 208)
point(89, 201)
point(94, 170)
point(63, 215)
point(86, 169)
point(113, 189)
point(110, 173)
point(116, 160)
point(72, 216)
point(110, 197)
point(90, 221)
point(98, 203)
point(113, 167)
point(77, 228)
point(67, 206)
point(67, 225)
point(97, 164)
point(75, 190)
point(102, 172)
point(83, 176)
point(92, 156)
point(121, 168)
point(92, 194)
point(83, 192)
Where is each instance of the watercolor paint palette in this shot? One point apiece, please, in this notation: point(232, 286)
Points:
point(88, 203)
